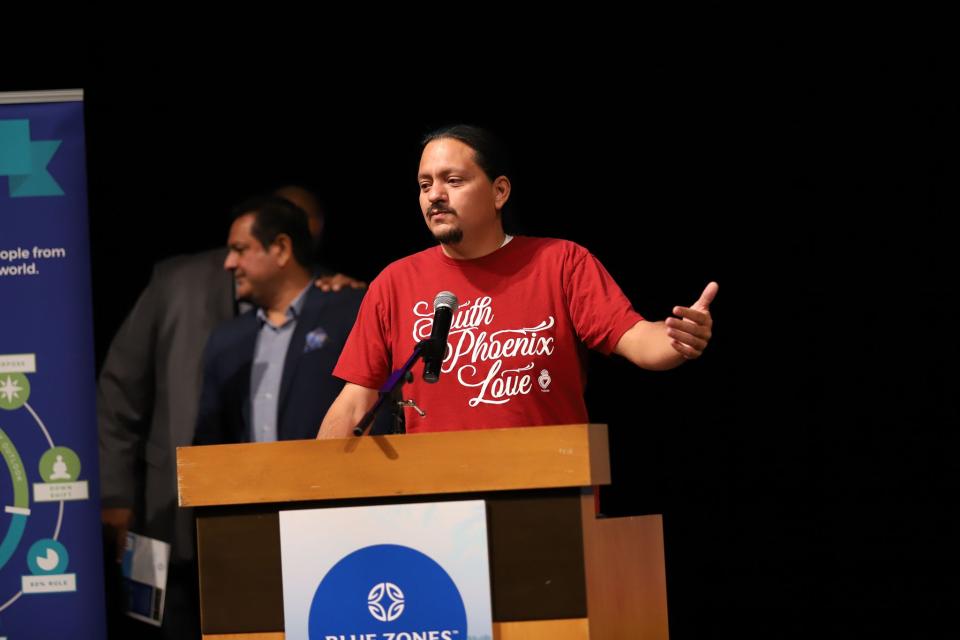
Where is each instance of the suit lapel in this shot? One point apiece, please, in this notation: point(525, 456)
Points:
point(249, 328)
point(308, 320)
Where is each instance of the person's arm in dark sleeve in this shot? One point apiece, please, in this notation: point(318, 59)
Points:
point(209, 429)
point(125, 395)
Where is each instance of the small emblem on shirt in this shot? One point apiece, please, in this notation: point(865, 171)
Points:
point(315, 339)
point(544, 380)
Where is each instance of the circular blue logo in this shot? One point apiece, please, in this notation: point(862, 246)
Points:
point(387, 589)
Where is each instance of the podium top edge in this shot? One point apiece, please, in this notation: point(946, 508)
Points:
point(481, 433)
point(468, 461)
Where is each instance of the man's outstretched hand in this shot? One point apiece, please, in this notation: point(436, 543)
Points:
point(690, 331)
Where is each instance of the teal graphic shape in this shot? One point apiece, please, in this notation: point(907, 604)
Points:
point(18, 522)
point(47, 557)
point(14, 147)
point(25, 161)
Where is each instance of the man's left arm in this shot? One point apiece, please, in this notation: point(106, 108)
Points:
point(663, 345)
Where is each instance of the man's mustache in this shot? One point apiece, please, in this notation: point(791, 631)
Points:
point(439, 208)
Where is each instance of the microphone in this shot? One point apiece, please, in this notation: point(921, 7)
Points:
point(444, 306)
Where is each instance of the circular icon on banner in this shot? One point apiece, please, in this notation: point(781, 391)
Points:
point(14, 390)
point(384, 589)
point(59, 464)
point(47, 556)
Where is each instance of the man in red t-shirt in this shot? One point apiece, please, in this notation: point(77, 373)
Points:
point(527, 308)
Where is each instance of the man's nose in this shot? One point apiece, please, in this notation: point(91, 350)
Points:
point(437, 193)
point(230, 263)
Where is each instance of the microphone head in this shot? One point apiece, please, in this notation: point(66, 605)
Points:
point(445, 299)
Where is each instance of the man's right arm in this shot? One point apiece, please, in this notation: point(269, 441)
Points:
point(347, 411)
point(125, 398)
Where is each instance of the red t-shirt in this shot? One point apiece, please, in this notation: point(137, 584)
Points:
point(515, 350)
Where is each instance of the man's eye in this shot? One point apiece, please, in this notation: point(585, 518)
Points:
point(455, 181)
point(424, 186)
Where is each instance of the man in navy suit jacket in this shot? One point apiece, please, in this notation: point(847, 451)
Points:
point(267, 373)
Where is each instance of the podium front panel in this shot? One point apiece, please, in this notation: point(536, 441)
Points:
point(536, 559)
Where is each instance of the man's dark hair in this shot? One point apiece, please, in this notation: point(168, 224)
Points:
point(273, 216)
point(489, 153)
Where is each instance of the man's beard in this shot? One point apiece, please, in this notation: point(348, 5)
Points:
point(450, 236)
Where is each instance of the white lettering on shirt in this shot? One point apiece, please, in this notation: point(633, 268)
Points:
point(477, 356)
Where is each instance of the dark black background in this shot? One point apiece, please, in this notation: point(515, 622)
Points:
point(805, 466)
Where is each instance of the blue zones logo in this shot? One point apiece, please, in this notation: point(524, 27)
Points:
point(387, 592)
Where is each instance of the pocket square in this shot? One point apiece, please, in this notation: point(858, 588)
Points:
point(315, 339)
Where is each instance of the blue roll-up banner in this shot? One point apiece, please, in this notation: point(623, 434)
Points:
point(51, 558)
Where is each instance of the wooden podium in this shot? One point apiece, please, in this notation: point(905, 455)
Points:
point(556, 570)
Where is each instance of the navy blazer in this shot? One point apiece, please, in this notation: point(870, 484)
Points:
point(307, 388)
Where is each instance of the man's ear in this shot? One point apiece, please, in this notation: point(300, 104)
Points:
point(501, 191)
point(282, 249)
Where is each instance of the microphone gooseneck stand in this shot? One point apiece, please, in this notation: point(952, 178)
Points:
point(394, 382)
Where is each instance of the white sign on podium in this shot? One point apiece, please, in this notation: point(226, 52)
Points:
point(388, 572)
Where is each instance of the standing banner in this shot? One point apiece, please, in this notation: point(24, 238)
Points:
point(51, 557)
